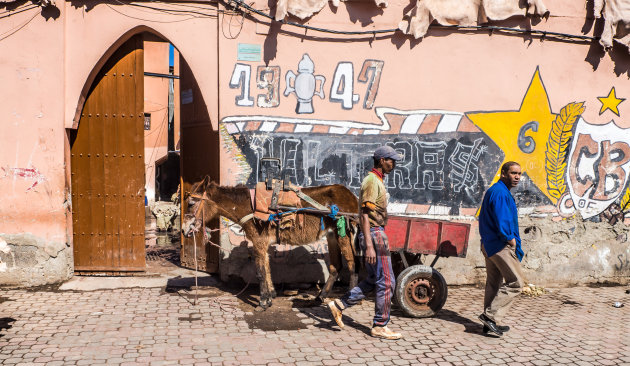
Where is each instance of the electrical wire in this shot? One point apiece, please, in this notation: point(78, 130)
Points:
point(542, 34)
point(11, 32)
point(14, 12)
point(184, 5)
point(156, 110)
point(187, 12)
point(244, 9)
point(229, 26)
point(156, 10)
point(148, 20)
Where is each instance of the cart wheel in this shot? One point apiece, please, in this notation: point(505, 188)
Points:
point(420, 291)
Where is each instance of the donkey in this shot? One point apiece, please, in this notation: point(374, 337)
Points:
point(209, 200)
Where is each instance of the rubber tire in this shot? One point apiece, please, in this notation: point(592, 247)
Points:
point(435, 303)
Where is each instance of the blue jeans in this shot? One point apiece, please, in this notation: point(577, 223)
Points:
point(380, 277)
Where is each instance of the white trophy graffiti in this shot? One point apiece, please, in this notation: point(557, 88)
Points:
point(304, 85)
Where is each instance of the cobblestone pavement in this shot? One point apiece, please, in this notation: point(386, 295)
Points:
point(141, 326)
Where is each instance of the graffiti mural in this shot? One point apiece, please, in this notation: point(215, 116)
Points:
point(447, 165)
point(29, 174)
point(306, 84)
point(581, 167)
point(522, 135)
point(449, 158)
point(610, 102)
point(599, 165)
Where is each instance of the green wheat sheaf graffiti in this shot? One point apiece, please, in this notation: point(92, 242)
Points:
point(558, 148)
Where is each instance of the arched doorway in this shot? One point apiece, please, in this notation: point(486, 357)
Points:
point(107, 167)
point(110, 173)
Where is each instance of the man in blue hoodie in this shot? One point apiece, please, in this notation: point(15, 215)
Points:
point(501, 248)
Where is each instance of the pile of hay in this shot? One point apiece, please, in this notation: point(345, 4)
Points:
point(532, 290)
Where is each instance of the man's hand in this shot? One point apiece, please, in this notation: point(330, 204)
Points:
point(370, 254)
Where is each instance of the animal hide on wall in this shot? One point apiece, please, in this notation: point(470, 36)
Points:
point(300, 8)
point(306, 8)
point(465, 12)
point(42, 3)
point(616, 21)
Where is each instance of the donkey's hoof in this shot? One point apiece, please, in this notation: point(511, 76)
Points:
point(265, 302)
point(273, 294)
point(321, 297)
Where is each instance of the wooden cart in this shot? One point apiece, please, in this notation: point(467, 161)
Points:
point(421, 290)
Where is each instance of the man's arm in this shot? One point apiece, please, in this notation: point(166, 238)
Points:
point(503, 217)
point(370, 253)
point(369, 195)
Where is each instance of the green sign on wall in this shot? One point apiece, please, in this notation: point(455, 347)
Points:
point(249, 52)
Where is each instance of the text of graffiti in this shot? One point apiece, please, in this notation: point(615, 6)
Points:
point(305, 84)
point(624, 262)
point(422, 166)
point(599, 167)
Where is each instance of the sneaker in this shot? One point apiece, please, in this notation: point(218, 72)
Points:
point(492, 326)
point(385, 333)
point(336, 312)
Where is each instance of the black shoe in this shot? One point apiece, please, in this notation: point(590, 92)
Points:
point(492, 326)
point(502, 328)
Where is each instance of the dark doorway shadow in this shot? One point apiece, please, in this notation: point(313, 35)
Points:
point(5, 323)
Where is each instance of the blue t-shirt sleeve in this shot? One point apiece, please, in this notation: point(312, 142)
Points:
point(503, 217)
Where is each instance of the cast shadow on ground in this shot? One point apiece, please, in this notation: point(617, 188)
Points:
point(5, 323)
point(322, 319)
point(471, 326)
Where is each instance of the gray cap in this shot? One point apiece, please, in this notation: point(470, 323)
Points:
point(386, 152)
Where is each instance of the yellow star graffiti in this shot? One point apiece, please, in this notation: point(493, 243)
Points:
point(610, 102)
point(522, 134)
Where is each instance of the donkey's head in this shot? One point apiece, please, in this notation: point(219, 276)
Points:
point(201, 207)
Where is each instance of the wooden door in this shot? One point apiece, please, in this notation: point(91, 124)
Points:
point(107, 167)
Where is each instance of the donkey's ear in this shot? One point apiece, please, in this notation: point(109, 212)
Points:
point(204, 182)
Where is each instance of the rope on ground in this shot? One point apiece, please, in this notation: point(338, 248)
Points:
point(218, 300)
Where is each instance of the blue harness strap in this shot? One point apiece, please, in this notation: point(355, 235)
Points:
point(277, 215)
point(334, 210)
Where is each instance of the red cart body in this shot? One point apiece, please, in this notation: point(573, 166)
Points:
point(421, 290)
point(427, 236)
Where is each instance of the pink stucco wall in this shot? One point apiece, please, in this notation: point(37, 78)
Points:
point(476, 77)
point(32, 176)
point(449, 70)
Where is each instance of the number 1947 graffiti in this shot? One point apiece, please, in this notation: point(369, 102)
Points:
point(306, 84)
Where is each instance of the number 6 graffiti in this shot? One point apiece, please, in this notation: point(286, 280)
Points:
point(527, 143)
